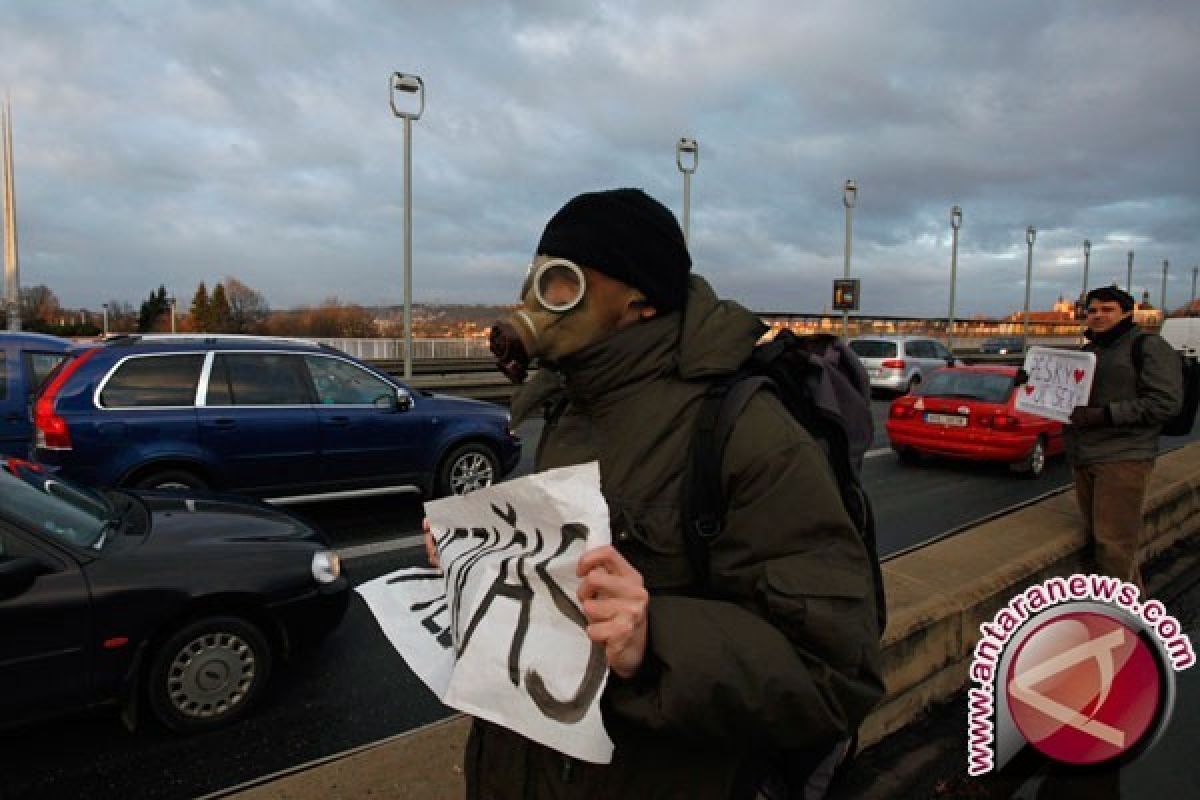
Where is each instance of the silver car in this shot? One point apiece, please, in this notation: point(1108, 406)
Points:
point(900, 363)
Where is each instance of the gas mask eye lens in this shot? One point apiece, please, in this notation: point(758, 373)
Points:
point(559, 285)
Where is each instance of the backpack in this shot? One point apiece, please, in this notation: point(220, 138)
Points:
point(1181, 423)
point(825, 388)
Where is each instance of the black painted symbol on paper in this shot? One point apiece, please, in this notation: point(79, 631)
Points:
point(512, 583)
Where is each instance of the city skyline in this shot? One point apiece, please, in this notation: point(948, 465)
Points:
point(255, 139)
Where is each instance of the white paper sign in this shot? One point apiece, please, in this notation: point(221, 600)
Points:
point(498, 633)
point(1059, 380)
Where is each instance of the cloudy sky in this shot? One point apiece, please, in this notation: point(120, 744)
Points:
point(174, 142)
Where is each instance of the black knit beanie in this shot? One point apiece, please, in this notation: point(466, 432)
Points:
point(627, 235)
point(1110, 294)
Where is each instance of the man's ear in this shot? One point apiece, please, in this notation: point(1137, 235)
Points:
point(641, 307)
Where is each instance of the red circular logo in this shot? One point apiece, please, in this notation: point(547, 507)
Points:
point(1084, 688)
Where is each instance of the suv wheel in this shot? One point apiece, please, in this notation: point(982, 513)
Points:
point(208, 673)
point(468, 467)
point(171, 480)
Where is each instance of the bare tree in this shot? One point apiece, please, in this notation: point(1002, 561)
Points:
point(39, 303)
point(248, 309)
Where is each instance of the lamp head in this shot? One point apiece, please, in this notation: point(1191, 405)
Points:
point(849, 194)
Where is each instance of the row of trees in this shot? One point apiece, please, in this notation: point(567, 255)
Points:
point(230, 307)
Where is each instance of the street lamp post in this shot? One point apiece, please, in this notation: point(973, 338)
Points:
point(849, 198)
point(1030, 235)
point(1163, 297)
point(1087, 260)
point(409, 85)
point(1194, 271)
point(105, 319)
point(172, 299)
point(955, 224)
point(1129, 273)
point(690, 147)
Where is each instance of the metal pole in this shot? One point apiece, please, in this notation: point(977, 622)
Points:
point(1194, 271)
point(408, 84)
point(407, 248)
point(1030, 235)
point(955, 222)
point(1163, 296)
point(849, 197)
point(12, 268)
point(689, 146)
point(106, 319)
point(172, 314)
point(1129, 274)
point(1087, 259)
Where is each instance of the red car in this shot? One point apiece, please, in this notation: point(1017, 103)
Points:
point(969, 413)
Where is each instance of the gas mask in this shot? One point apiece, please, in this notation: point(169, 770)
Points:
point(562, 312)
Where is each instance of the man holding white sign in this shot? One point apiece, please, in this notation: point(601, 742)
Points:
point(1112, 439)
point(708, 688)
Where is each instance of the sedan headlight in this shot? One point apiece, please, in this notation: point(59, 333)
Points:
point(326, 566)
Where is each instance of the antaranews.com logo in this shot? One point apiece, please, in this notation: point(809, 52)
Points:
point(1078, 667)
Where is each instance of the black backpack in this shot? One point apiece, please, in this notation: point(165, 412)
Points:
point(1180, 424)
point(825, 387)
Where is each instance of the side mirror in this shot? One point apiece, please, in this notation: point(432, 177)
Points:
point(404, 400)
point(18, 574)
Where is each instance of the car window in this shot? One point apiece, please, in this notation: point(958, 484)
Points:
point(339, 382)
point(257, 379)
point(990, 387)
point(39, 366)
point(52, 506)
point(916, 349)
point(940, 351)
point(168, 380)
point(873, 348)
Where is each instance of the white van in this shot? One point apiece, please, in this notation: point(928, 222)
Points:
point(1183, 333)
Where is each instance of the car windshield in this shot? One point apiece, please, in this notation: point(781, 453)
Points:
point(873, 348)
point(36, 499)
point(990, 387)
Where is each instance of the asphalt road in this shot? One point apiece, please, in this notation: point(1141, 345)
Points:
point(355, 689)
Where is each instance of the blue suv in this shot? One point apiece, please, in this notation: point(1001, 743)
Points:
point(267, 417)
point(25, 361)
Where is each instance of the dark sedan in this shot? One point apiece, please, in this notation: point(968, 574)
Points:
point(183, 602)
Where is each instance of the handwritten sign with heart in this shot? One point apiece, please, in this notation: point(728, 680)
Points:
point(1059, 380)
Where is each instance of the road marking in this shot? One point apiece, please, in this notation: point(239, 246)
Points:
point(876, 453)
point(376, 548)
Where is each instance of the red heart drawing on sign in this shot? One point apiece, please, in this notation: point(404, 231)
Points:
point(1078, 375)
point(1028, 389)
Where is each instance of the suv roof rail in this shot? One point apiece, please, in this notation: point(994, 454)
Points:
point(205, 337)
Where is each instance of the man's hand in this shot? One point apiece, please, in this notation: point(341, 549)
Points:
point(1088, 417)
point(615, 603)
point(430, 546)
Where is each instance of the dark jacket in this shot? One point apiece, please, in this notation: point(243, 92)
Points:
point(1136, 403)
point(787, 657)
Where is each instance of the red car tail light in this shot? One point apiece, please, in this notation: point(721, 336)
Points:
point(901, 410)
point(1000, 421)
point(51, 431)
point(892, 363)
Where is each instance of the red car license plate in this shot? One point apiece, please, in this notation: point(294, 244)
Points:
point(946, 419)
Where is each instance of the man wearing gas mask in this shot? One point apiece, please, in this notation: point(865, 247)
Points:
point(715, 692)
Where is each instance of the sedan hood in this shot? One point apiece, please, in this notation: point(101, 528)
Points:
point(195, 519)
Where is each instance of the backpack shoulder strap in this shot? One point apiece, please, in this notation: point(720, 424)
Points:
point(704, 496)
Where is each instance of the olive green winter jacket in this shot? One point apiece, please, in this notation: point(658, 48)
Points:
point(1136, 403)
point(786, 658)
